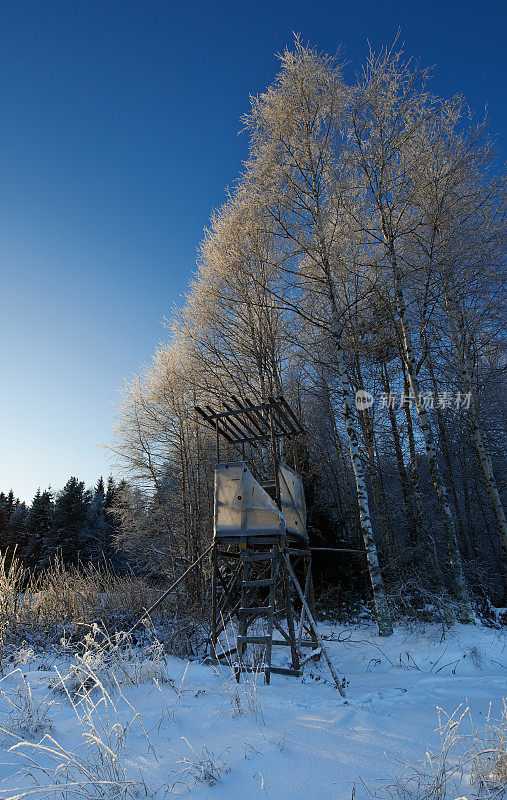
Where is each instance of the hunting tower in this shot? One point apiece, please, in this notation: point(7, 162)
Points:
point(261, 562)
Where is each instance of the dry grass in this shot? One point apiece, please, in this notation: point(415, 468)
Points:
point(61, 604)
point(97, 764)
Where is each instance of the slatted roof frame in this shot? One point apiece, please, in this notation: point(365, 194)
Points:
point(248, 422)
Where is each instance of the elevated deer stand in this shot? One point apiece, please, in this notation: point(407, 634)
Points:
point(260, 541)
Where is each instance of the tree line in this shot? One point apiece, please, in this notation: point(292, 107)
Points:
point(77, 525)
point(357, 268)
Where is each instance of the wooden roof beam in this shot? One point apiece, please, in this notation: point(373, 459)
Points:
point(212, 424)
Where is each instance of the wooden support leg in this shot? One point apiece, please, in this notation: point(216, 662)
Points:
point(271, 615)
point(307, 563)
point(311, 591)
point(313, 625)
point(243, 622)
point(288, 613)
point(214, 577)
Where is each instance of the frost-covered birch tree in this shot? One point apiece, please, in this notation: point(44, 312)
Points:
point(394, 125)
point(297, 138)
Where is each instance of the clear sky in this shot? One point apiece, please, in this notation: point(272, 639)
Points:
point(118, 134)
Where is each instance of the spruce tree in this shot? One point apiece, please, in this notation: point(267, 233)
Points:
point(18, 534)
point(95, 533)
point(114, 491)
point(4, 521)
point(39, 525)
point(13, 515)
point(69, 516)
point(110, 492)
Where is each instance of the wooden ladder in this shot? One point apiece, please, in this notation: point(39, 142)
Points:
point(251, 609)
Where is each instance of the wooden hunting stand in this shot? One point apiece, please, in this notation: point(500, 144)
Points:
point(260, 554)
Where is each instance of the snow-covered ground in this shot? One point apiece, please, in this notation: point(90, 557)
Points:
point(195, 731)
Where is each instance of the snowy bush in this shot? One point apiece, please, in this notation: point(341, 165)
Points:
point(64, 602)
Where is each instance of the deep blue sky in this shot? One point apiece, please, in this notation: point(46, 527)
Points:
point(118, 134)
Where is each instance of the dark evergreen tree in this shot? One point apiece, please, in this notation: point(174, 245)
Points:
point(114, 491)
point(18, 534)
point(69, 516)
point(13, 515)
point(39, 525)
point(110, 492)
point(4, 521)
point(10, 503)
point(94, 540)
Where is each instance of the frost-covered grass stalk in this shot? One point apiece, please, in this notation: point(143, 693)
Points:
point(241, 691)
point(203, 767)
point(100, 658)
point(95, 768)
point(22, 713)
point(169, 712)
point(470, 757)
point(242, 695)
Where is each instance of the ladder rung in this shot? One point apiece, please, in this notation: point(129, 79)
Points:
point(227, 653)
point(254, 639)
point(259, 557)
point(286, 671)
point(263, 582)
point(239, 668)
point(303, 643)
point(254, 609)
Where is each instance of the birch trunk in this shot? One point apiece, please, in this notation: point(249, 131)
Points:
point(379, 497)
point(427, 540)
point(465, 543)
point(385, 625)
point(351, 520)
point(458, 334)
point(462, 594)
point(383, 614)
point(414, 519)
